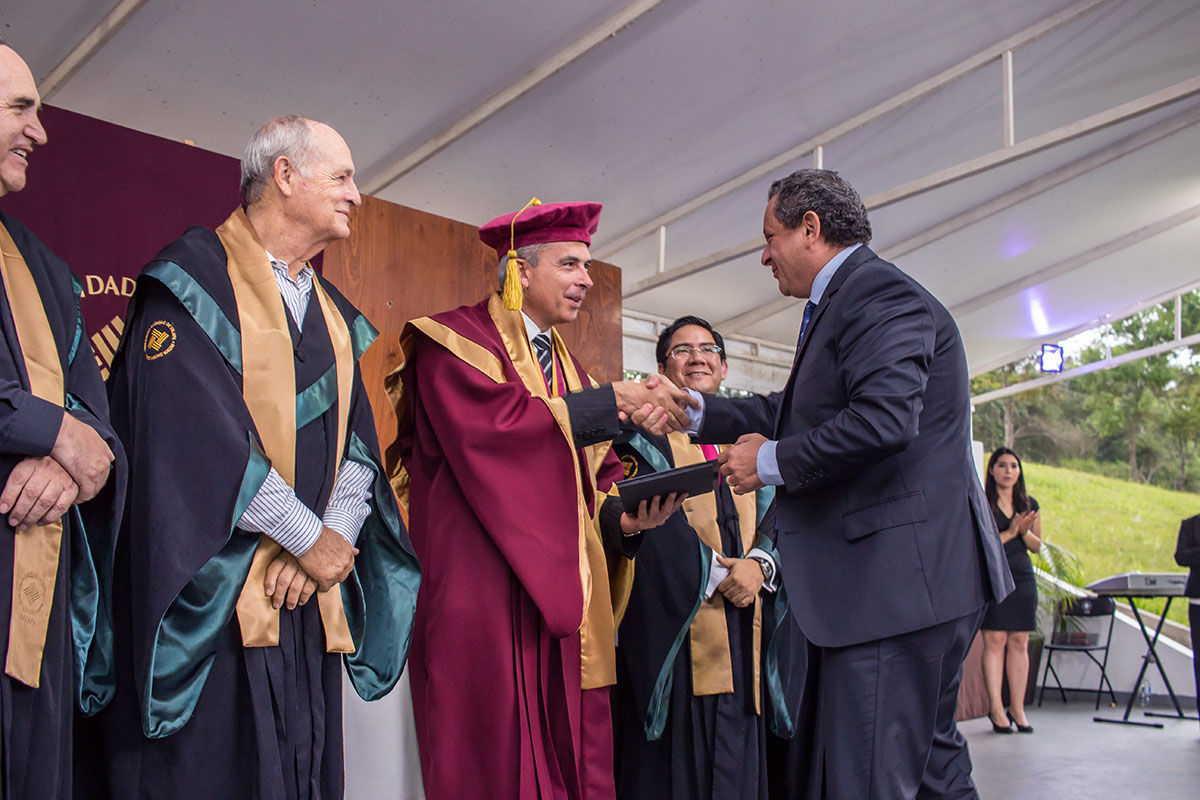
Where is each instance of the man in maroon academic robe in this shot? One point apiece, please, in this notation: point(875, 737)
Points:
point(504, 443)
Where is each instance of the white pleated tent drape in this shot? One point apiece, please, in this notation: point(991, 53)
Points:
point(382, 762)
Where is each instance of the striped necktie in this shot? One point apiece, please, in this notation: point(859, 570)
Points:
point(541, 345)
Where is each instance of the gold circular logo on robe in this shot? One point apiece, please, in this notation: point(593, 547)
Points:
point(32, 593)
point(629, 463)
point(160, 340)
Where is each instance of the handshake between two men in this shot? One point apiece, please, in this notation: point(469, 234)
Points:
point(655, 404)
point(660, 407)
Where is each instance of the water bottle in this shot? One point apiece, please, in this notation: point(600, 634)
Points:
point(1144, 694)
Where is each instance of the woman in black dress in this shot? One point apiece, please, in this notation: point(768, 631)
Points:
point(1006, 625)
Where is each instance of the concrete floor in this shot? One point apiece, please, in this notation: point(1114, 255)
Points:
point(1070, 756)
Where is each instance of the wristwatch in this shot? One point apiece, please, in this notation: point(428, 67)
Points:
point(768, 568)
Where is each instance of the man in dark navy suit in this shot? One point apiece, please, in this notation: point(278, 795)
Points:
point(889, 550)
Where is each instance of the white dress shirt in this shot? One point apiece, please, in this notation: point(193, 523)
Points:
point(275, 509)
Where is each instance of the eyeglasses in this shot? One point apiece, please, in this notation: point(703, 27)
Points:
point(685, 351)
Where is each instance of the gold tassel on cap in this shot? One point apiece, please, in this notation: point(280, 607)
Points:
point(513, 295)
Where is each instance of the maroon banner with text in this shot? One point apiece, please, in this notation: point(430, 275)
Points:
point(106, 199)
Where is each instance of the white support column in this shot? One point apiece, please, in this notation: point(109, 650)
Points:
point(915, 92)
point(1004, 155)
point(1178, 318)
point(818, 157)
point(1019, 194)
point(1010, 129)
point(1036, 144)
point(662, 249)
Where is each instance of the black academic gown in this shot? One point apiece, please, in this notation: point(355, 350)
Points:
point(671, 742)
point(199, 715)
point(36, 724)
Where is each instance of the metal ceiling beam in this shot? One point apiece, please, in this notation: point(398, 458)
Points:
point(1042, 183)
point(1076, 261)
point(1095, 366)
point(476, 117)
point(735, 324)
point(1008, 199)
point(898, 101)
point(692, 267)
point(87, 47)
point(1104, 319)
point(1036, 144)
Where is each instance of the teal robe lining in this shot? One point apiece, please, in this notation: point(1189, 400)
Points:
point(379, 595)
point(196, 618)
point(200, 304)
point(91, 602)
point(775, 608)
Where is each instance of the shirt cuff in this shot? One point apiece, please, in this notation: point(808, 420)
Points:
point(276, 512)
point(695, 415)
point(716, 574)
point(773, 584)
point(348, 508)
point(768, 465)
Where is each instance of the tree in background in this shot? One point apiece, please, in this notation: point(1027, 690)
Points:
point(1181, 423)
point(1140, 420)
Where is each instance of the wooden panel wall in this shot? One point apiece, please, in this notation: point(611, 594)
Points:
point(400, 263)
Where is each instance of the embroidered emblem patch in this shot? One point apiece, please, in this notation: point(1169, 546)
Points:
point(629, 463)
point(32, 593)
point(160, 340)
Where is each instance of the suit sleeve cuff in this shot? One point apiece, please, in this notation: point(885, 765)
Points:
point(768, 465)
point(593, 414)
point(610, 529)
point(33, 428)
point(695, 415)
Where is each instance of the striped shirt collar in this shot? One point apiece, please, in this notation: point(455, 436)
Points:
point(302, 281)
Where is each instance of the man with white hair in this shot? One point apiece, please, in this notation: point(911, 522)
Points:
point(57, 451)
point(255, 484)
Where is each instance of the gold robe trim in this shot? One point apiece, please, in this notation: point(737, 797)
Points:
point(269, 388)
point(36, 550)
point(596, 631)
point(712, 667)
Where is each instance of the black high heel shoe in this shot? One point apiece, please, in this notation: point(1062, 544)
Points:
point(1020, 728)
point(999, 728)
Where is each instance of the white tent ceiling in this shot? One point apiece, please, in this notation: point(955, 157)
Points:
point(693, 94)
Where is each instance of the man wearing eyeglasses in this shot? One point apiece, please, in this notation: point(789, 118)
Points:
point(693, 698)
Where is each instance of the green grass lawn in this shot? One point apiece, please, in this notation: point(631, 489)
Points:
point(1112, 525)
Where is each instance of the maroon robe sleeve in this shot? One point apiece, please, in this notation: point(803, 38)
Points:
point(502, 450)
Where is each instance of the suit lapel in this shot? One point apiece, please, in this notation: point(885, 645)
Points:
point(852, 263)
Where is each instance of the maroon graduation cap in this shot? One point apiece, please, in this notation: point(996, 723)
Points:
point(537, 223)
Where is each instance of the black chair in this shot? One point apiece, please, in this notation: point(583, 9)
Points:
point(1082, 642)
